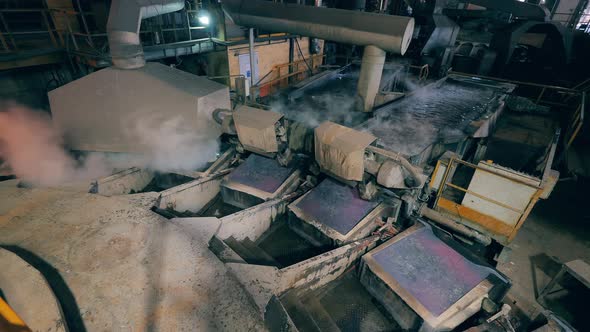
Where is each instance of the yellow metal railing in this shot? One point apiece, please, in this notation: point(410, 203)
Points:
point(279, 76)
point(487, 222)
point(573, 100)
point(542, 88)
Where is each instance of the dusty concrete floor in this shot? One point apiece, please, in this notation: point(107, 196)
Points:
point(556, 232)
point(117, 266)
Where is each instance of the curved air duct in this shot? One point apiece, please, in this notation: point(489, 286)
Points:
point(377, 32)
point(387, 32)
point(123, 28)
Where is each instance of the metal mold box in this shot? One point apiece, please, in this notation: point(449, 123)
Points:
point(337, 212)
point(417, 270)
point(256, 180)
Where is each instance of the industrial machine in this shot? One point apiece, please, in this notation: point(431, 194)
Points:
point(364, 234)
point(488, 37)
point(392, 211)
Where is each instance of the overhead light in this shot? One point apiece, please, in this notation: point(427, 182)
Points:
point(204, 19)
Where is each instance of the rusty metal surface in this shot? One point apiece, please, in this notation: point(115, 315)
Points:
point(261, 173)
point(336, 206)
point(432, 272)
point(520, 139)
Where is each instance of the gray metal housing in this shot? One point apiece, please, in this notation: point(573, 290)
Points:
point(102, 111)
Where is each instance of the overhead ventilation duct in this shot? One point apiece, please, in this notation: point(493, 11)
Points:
point(369, 78)
point(387, 32)
point(123, 28)
point(377, 32)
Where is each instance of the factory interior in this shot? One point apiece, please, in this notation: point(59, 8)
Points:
point(294, 165)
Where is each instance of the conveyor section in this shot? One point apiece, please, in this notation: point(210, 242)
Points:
point(445, 112)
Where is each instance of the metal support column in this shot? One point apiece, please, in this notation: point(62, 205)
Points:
point(252, 63)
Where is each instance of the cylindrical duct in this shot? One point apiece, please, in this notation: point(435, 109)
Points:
point(369, 78)
point(123, 28)
point(387, 32)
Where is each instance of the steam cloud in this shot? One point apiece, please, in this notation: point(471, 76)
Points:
point(173, 146)
point(407, 134)
point(34, 149)
point(408, 128)
point(323, 107)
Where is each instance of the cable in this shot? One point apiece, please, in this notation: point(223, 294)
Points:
point(302, 57)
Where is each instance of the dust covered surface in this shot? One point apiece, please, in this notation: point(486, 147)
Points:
point(335, 205)
point(261, 173)
point(441, 111)
point(333, 101)
point(433, 273)
point(125, 267)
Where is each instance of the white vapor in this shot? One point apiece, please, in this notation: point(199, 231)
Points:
point(171, 145)
point(34, 149)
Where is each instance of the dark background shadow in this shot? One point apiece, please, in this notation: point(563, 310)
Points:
point(567, 298)
point(548, 265)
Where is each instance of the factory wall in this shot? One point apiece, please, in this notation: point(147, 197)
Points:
point(566, 11)
point(218, 65)
point(61, 21)
point(29, 86)
point(270, 54)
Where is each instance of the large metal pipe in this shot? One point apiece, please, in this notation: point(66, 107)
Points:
point(369, 77)
point(387, 32)
point(123, 28)
point(414, 173)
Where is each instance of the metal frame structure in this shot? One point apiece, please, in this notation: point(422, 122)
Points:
point(91, 44)
point(279, 80)
point(8, 38)
point(577, 107)
point(489, 223)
